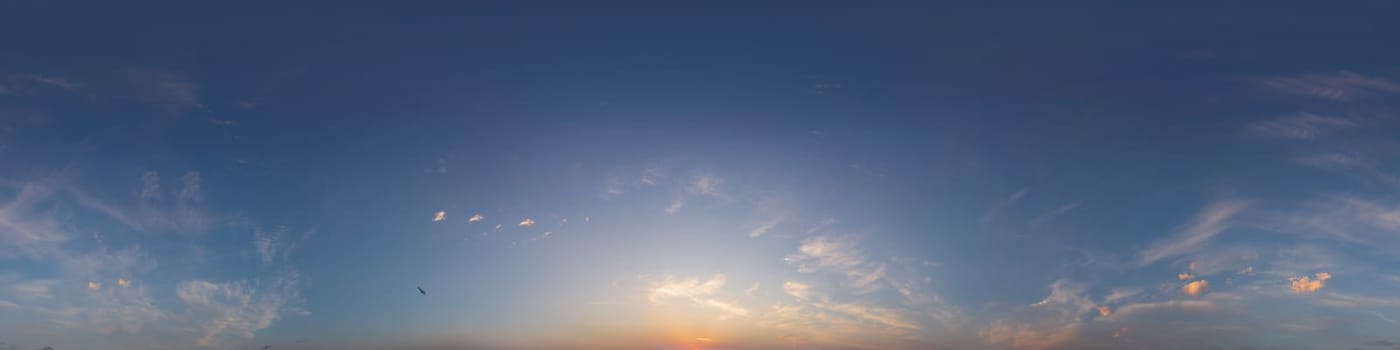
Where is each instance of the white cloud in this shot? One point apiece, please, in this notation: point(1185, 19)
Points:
point(765, 226)
point(1068, 299)
point(190, 188)
point(1334, 161)
point(883, 316)
point(150, 188)
point(29, 84)
point(676, 205)
point(28, 227)
point(1018, 335)
point(151, 214)
point(33, 290)
point(238, 309)
point(842, 256)
point(694, 290)
point(165, 91)
point(1057, 212)
point(274, 244)
point(826, 252)
point(707, 185)
point(1338, 86)
point(1130, 310)
point(798, 290)
point(1348, 300)
point(995, 211)
point(1210, 222)
point(1303, 126)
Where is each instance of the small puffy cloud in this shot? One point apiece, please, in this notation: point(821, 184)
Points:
point(1184, 276)
point(475, 218)
point(798, 290)
point(122, 282)
point(94, 285)
point(1195, 288)
point(526, 223)
point(1303, 285)
point(1104, 310)
point(1248, 271)
point(440, 216)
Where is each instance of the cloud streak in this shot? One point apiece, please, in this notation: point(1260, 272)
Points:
point(1210, 222)
point(1303, 126)
point(1336, 86)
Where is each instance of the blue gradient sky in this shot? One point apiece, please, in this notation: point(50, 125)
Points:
point(182, 176)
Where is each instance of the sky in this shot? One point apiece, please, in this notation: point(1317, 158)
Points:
point(704, 175)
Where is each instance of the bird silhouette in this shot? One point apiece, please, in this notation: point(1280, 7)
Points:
point(421, 291)
point(265, 347)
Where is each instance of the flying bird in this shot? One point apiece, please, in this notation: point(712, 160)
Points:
point(421, 291)
point(265, 347)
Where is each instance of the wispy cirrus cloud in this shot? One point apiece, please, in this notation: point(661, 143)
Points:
point(240, 309)
point(151, 213)
point(165, 91)
point(1018, 335)
point(1335, 86)
point(1055, 213)
point(30, 84)
point(1302, 126)
point(996, 210)
point(27, 228)
point(274, 244)
point(694, 290)
point(840, 255)
point(1211, 221)
point(797, 290)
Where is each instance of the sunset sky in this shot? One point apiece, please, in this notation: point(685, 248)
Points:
point(795, 175)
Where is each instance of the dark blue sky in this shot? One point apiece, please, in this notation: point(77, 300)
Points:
point(800, 175)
